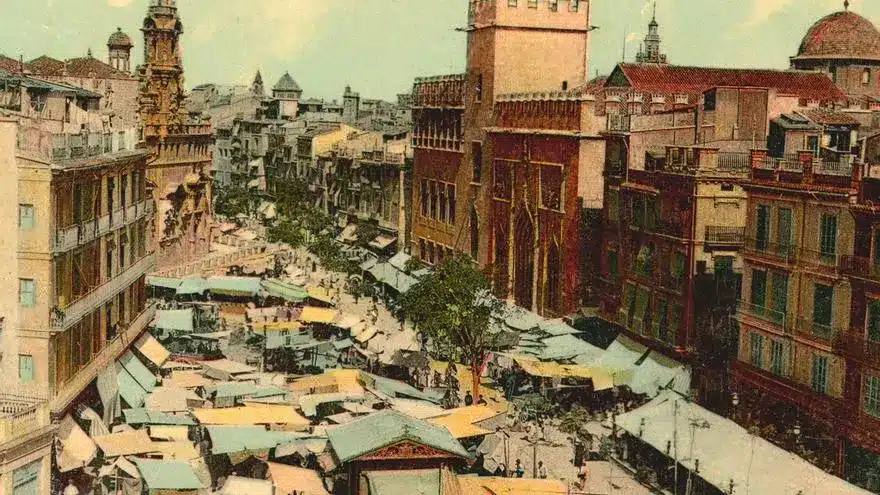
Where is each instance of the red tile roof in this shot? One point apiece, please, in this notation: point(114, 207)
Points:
point(829, 117)
point(76, 67)
point(9, 64)
point(676, 79)
point(841, 35)
point(45, 66)
point(92, 67)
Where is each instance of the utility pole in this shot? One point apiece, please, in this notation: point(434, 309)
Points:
point(675, 443)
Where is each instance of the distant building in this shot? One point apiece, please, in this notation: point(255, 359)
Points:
point(112, 80)
point(649, 52)
point(351, 103)
point(846, 47)
point(285, 98)
point(182, 144)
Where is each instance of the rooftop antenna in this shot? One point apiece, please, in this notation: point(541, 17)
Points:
point(654, 16)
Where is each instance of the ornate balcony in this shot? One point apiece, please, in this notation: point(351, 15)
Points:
point(64, 318)
point(769, 315)
point(728, 236)
point(74, 236)
point(786, 253)
point(20, 415)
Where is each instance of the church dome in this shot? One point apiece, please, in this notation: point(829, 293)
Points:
point(841, 35)
point(119, 40)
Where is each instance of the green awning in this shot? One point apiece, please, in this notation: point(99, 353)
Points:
point(179, 320)
point(231, 439)
point(167, 475)
point(232, 389)
point(129, 388)
point(136, 368)
point(142, 416)
point(192, 285)
point(164, 282)
point(288, 292)
point(234, 286)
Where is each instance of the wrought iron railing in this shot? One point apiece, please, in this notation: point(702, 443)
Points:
point(784, 252)
point(819, 332)
point(719, 234)
point(763, 313)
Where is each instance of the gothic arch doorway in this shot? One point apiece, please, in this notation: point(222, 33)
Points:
point(524, 258)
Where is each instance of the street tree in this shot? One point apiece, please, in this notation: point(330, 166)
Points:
point(452, 306)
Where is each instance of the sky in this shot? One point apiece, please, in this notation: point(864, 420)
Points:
point(379, 46)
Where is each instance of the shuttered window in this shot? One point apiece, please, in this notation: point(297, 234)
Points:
point(820, 374)
point(756, 346)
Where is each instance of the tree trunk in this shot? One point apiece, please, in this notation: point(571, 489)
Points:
point(476, 371)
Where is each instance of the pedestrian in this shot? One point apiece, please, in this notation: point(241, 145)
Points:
point(542, 470)
point(438, 380)
point(468, 399)
point(518, 470)
point(480, 400)
point(501, 470)
point(583, 474)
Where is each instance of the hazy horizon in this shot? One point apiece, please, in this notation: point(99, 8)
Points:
point(379, 46)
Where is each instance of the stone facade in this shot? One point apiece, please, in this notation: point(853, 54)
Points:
point(182, 145)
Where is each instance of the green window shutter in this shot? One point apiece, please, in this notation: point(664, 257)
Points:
point(823, 296)
point(759, 288)
point(780, 296)
point(27, 293)
point(26, 217)
point(872, 395)
point(756, 350)
point(784, 235)
point(25, 368)
point(762, 227)
point(828, 235)
point(820, 374)
point(873, 330)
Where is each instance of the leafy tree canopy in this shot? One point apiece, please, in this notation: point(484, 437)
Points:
point(453, 307)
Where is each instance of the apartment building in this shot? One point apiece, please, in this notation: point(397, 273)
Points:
point(675, 213)
point(805, 354)
point(369, 183)
point(75, 257)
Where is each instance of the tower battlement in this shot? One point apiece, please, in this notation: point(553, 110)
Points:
point(564, 15)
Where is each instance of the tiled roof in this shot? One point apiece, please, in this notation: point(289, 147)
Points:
point(286, 83)
point(676, 79)
point(9, 64)
point(76, 67)
point(45, 66)
point(92, 67)
point(829, 117)
point(841, 35)
point(119, 39)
